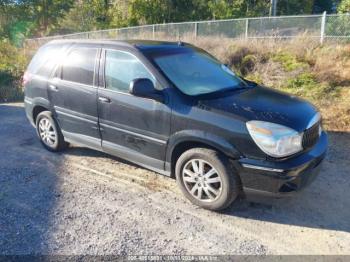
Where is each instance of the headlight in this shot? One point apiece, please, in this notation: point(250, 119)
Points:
point(275, 140)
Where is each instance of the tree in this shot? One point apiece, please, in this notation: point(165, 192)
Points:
point(165, 11)
point(85, 15)
point(223, 9)
point(46, 13)
point(119, 13)
point(23, 18)
point(344, 6)
point(323, 5)
point(15, 21)
point(294, 7)
point(31, 17)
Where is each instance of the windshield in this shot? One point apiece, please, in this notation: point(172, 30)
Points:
point(196, 73)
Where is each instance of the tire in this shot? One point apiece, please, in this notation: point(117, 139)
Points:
point(49, 132)
point(223, 179)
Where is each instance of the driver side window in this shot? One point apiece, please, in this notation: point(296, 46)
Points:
point(121, 68)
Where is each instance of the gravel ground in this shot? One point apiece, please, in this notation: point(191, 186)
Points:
point(85, 202)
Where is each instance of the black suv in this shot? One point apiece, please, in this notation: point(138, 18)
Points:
point(175, 109)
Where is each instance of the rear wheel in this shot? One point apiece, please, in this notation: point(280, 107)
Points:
point(207, 178)
point(49, 132)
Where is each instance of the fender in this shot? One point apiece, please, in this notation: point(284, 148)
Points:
point(202, 137)
point(31, 103)
point(40, 101)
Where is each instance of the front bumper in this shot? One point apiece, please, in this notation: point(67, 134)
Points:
point(282, 177)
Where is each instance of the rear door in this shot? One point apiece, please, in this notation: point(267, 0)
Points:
point(73, 94)
point(132, 127)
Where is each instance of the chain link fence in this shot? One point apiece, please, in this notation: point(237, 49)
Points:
point(319, 27)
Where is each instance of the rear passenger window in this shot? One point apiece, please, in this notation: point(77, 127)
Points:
point(121, 68)
point(79, 66)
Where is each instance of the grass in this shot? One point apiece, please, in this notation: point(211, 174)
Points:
point(289, 61)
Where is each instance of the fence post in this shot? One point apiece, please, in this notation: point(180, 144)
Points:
point(246, 28)
point(323, 26)
point(195, 30)
point(153, 32)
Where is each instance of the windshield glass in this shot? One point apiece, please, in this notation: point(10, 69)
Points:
point(196, 73)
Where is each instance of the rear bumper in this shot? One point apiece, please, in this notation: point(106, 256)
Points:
point(285, 177)
point(28, 106)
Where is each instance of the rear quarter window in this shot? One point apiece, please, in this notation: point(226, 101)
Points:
point(45, 59)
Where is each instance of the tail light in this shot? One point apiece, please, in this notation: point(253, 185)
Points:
point(26, 78)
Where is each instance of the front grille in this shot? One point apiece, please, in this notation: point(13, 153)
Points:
point(311, 136)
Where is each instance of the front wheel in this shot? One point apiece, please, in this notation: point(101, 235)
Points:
point(49, 132)
point(207, 179)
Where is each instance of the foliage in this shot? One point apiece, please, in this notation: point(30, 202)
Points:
point(159, 11)
point(11, 26)
point(301, 82)
point(344, 6)
point(338, 25)
point(85, 16)
point(223, 9)
point(27, 18)
point(119, 14)
point(248, 63)
point(294, 7)
point(323, 5)
point(46, 13)
point(289, 61)
point(31, 18)
point(10, 71)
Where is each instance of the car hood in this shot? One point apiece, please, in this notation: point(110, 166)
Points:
point(265, 104)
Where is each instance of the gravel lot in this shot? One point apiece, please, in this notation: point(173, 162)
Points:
point(85, 202)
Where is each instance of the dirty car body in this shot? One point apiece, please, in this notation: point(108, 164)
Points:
point(247, 123)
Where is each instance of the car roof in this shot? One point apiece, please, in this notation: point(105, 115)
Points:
point(142, 45)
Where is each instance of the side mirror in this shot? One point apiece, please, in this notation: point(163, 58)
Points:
point(144, 87)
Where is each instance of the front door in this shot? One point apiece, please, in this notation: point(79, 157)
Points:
point(131, 127)
point(74, 97)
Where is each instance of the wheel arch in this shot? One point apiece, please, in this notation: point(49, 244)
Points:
point(37, 110)
point(39, 105)
point(186, 140)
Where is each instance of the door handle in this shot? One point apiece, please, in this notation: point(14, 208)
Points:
point(104, 99)
point(53, 88)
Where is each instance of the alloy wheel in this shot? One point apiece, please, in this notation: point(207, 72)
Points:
point(202, 180)
point(47, 132)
